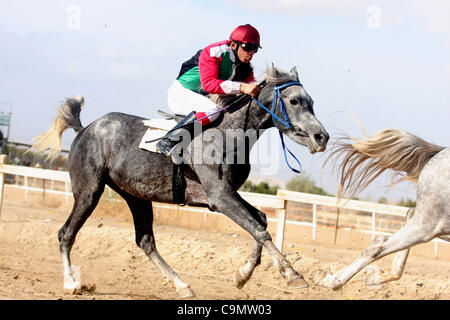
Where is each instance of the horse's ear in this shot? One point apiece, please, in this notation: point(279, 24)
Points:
point(294, 73)
point(275, 73)
point(272, 71)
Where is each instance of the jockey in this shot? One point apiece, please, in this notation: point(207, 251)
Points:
point(220, 68)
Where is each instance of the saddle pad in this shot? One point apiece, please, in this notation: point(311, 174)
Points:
point(157, 128)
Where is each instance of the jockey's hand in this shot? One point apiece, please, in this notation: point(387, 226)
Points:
point(251, 89)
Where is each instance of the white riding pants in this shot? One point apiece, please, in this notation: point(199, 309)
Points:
point(183, 101)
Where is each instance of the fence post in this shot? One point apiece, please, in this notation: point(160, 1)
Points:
point(25, 181)
point(280, 227)
point(314, 221)
point(373, 225)
point(2, 182)
point(43, 189)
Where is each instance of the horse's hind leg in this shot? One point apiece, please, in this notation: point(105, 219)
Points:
point(412, 233)
point(86, 197)
point(143, 224)
point(398, 264)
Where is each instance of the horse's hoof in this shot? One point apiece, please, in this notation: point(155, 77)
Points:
point(71, 285)
point(238, 280)
point(298, 283)
point(329, 282)
point(374, 280)
point(375, 277)
point(326, 280)
point(185, 293)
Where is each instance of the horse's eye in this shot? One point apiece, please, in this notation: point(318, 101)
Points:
point(293, 101)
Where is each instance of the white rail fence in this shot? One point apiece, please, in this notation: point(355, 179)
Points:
point(278, 203)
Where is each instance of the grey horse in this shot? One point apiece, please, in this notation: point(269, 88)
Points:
point(411, 158)
point(107, 153)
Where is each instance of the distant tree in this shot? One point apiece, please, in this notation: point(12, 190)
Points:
point(303, 183)
point(262, 187)
point(382, 200)
point(407, 203)
point(248, 186)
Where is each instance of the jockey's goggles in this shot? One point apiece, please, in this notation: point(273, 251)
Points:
point(249, 46)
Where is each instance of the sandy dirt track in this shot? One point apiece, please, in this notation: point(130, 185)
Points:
point(113, 267)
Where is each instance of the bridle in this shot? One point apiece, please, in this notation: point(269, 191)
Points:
point(277, 98)
point(286, 121)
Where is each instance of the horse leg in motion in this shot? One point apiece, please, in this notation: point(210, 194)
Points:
point(415, 231)
point(227, 201)
point(87, 189)
point(262, 238)
point(245, 272)
point(143, 223)
point(398, 264)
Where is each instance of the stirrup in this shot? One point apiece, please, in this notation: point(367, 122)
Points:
point(165, 146)
point(169, 154)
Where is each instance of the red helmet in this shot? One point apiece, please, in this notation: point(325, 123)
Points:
point(245, 34)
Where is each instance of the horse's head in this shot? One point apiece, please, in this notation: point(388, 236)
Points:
point(305, 128)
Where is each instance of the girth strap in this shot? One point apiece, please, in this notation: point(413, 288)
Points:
point(178, 184)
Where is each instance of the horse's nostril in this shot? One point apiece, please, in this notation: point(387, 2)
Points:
point(321, 138)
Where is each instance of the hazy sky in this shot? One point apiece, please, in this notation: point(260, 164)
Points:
point(386, 62)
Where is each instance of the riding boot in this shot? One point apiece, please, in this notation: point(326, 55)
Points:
point(172, 138)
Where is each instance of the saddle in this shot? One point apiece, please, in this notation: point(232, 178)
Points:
point(156, 129)
point(171, 116)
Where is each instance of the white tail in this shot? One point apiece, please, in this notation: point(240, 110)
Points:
point(364, 160)
point(68, 116)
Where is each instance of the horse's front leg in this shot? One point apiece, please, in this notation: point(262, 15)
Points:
point(245, 272)
point(237, 209)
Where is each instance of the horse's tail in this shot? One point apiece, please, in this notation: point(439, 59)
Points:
point(68, 116)
point(364, 160)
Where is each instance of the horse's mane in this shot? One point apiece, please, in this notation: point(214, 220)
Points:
point(274, 76)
